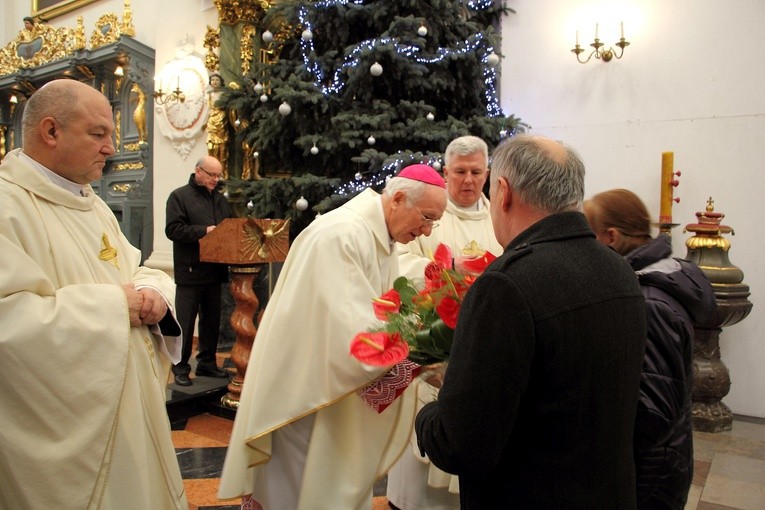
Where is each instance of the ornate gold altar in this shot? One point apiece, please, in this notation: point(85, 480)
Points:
point(247, 245)
point(122, 68)
point(711, 381)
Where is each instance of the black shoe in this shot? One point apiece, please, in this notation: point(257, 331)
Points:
point(182, 380)
point(211, 371)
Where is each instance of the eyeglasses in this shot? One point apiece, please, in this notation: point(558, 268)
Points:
point(214, 176)
point(429, 222)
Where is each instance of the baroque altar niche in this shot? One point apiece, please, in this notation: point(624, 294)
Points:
point(122, 68)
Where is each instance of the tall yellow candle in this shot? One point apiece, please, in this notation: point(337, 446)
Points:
point(667, 168)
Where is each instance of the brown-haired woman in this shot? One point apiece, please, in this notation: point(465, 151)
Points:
point(677, 295)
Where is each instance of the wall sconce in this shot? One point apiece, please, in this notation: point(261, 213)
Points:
point(176, 95)
point(119, 71)
point(603, 54)
point(13, 99)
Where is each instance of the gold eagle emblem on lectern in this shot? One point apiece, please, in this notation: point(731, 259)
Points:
point(260, 241)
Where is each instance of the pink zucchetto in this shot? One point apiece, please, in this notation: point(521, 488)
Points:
point(423, 173)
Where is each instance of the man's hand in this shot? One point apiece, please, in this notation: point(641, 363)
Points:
point(135, 303)
point(434, 374)
point(459, 265)
point(145, 306)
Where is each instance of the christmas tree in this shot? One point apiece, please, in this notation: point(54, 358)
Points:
point(348, 92)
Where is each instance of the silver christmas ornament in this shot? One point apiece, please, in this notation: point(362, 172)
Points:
point(376, 69)
point(285, 109)
point(255, 154)
point(430, 116)
point(492, 59)
point(422, 31)
point(436, 165)
point(263, 98)
point(301, 204)
point(371, 140)
point(250, 205)
point(268, 36)
point(358, 176)
point(258, 88)
point(307, 35)
point(314, 150)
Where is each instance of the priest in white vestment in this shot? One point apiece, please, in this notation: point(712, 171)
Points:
point(84, 360)
point(303, 439)
point(413, 482)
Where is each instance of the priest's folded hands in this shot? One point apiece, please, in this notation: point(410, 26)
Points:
point(145, 305)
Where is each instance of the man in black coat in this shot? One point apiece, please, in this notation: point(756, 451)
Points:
point(193, 211)
point(538, 402)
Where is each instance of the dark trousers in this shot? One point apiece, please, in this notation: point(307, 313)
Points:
point(204, 300)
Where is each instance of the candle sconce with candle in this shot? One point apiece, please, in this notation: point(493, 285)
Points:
point(161, 97)
point(599, 51)
point(668, 183)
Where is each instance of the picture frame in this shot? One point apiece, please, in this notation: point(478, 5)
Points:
point(47, 9)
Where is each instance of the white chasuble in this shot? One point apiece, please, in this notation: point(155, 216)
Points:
point(466, 233)
point(83, 422)
point(300, 364)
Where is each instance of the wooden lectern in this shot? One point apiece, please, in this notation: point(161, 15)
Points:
point(246, 245)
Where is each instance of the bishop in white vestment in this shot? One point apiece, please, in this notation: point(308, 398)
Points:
point(303, 438)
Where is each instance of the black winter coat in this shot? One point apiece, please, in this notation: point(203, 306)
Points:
point(190, 210)
point(537, 408)
point(677, 295)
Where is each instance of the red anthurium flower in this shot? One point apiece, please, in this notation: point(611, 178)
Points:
point(443, 256)
point(379, 349)
point(479, 264)
point(448, 309)
point(388, 303)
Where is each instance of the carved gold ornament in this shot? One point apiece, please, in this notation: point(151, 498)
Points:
point(260, 240)
point(44, 43)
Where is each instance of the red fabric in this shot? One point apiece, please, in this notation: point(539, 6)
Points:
point(381, 393)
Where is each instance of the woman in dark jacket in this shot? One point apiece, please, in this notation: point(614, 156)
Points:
point(677, 295)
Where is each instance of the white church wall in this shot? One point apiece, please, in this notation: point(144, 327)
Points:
point(691, 83)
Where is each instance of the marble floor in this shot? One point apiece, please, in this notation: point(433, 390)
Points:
point(729, 466)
